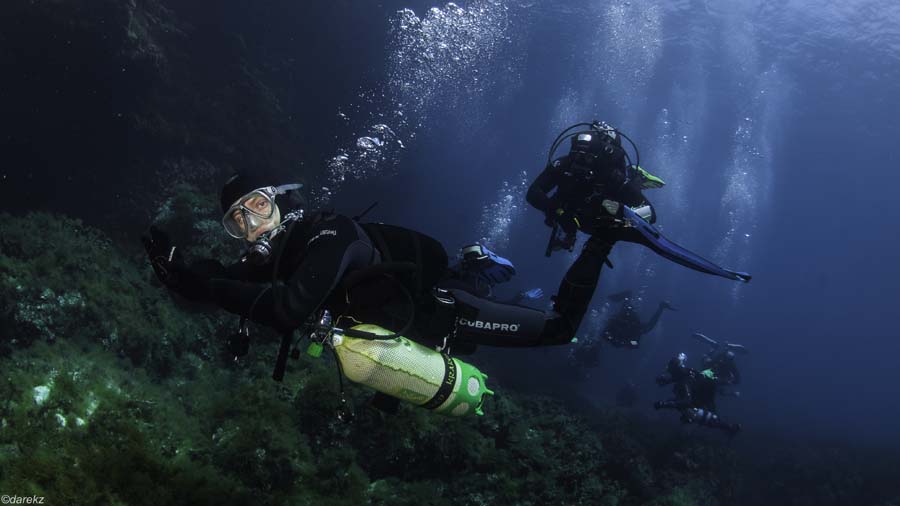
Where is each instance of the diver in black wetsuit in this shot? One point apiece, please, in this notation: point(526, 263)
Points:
point(625, 328)
point(597, 190)
point(695, 395)
point(720, 359)
point(375, 273)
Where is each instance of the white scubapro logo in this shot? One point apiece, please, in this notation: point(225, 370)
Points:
point(478, 324)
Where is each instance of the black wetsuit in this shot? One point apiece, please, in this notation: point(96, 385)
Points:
point(625, 328)
point(307, 272)
point(724, 366)
point(580, 191)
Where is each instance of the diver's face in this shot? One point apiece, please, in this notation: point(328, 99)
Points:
point(254, 226)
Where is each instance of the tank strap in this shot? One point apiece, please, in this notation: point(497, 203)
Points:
point(446, 388)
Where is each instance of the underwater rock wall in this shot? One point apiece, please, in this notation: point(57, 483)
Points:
point(113, 392)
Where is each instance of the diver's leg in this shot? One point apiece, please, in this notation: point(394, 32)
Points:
point(578, 285)
point(481, 321)
point(710, 419)
point(671, 404)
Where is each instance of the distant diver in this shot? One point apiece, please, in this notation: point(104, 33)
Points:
point(720, 358)
point(365, 289)
point(598, 191)
point(695, 395)
point(623, 330)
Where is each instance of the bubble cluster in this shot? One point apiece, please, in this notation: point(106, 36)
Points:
point(446, 55)
point(439, 61)
point(498, 215)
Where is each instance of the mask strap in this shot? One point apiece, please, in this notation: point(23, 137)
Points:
point(280, 190)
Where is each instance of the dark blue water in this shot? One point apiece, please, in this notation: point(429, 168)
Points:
point(774, 126)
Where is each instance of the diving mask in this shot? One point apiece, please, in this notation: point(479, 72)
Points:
point(253, 210)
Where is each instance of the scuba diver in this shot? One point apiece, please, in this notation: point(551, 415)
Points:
point(299, 270)
point(625, 328)
point(720, 359)
point(599, 191)
point(479, 270)
point(695, 395)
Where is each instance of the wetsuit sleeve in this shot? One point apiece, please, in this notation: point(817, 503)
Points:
point(193, 282)
point(196, 280)
point(538, 193)
point(333, 247)
point(631, 194)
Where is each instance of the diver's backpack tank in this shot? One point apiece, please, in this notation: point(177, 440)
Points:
point(411, 372)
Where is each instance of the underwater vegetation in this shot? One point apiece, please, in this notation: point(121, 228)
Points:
point(114, 393)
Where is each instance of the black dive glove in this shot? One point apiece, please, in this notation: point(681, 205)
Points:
point(170, 269)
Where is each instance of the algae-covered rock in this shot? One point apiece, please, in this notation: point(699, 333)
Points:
point(68, 281)
point(110, 394)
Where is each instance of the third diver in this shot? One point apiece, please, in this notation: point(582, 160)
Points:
point(598, 189)
point(695, 395)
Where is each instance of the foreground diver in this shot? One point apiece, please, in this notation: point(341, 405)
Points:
point(479, 270)
point(298, 266)
point(695, 395)
point(720, 359)
point(598, 191)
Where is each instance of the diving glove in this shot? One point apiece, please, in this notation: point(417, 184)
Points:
point(170, 268)
point(533, 294)
point(165, 259)
point(613, 208)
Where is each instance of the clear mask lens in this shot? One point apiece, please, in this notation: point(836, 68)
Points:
point(250, 212)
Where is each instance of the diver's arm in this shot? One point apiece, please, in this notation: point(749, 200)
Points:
point(287, 305)
point(538, 193)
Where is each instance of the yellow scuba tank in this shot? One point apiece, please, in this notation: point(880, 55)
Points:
point(411, 372)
